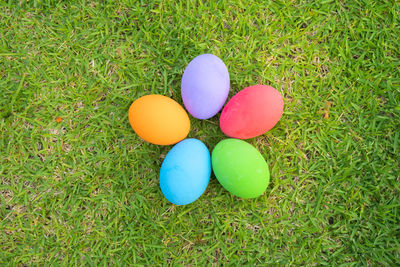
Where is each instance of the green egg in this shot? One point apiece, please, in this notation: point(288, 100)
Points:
point(240, 168)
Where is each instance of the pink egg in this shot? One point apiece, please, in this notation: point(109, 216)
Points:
point(251, 112)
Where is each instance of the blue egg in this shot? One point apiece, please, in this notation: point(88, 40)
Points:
point(185, 172)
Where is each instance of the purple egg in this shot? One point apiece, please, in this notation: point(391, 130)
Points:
point(205, 86)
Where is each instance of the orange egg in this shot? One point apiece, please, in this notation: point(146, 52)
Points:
point(159, 119)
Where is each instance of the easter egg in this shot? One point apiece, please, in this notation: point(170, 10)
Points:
point(185, 172)
point(205, 86)
point(251, 112)
point(240, 168)
point(159, 119)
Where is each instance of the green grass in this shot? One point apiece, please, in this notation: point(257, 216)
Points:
point(85, 190)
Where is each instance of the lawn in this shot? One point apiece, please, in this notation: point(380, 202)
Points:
point(78, 186)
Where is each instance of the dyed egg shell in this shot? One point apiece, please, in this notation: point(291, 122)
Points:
point(251, 112)
point(159, 119)
point(205, 86)
point(185, 172)
point(240, 168)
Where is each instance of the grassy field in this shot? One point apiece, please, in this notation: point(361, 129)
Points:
point(78, 186)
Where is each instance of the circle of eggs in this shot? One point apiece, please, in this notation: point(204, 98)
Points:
point(186, 169)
